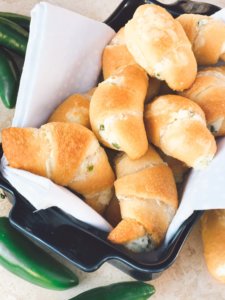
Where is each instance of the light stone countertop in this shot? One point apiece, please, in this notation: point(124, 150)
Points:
point(187, 278)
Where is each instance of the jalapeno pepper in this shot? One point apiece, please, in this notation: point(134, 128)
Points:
point(21, 20)
point(13, 36)
point(132, 290)
point(9, 79)
point(20, 256)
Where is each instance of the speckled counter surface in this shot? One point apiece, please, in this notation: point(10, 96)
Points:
point(187, 278)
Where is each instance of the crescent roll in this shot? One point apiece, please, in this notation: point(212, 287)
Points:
point(213, 237)
point(207, 37)
point(159, 44)
point(116, 111)
point(68, 154)
point(148, 201)
point(177, 126)
point(208, 91)
point(74, 109)
point(116, 55)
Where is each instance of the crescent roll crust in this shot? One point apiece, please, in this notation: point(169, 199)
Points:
point(208, 92)
point(148, 201)
point(116, 111)
point(74, 109)
point(177, 126)
point(159, 44)
point(116, 55)
point(69, 154)
point(213, 237)
point(207, 37)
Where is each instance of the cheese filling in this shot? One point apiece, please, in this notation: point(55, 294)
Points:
point(103, 196)
point(203, 162)
point(141, 244)
point(215, 126)
point(182, 114)
point(93, 156)
point(107, 132)
point(114, 80)
point(77, 115)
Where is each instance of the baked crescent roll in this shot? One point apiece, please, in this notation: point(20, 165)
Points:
point(68, 154)
point(116, 55)
point(213, 236)
point(159, 44)
point(208, 91)
point(116, 111)
point(148, 201)
point(207, 37)
point(177, 126)
point(75, 109)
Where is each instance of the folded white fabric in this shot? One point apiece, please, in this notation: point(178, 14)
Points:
point(204, 189)
point(63, 57)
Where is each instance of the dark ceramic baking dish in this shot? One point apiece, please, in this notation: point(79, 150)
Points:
point(83, 245)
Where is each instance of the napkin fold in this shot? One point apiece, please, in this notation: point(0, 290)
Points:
point(204, 189)
point(43, 193)
point(63, 57)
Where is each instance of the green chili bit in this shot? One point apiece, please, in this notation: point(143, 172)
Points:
point(158, 75)
point(212, 129)
point(2, 195)
point(90, 168)
point(191, 113)
point(202, 22)
point(115, 145)
point(102, 127)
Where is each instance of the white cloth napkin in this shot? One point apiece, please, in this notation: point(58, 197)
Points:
point(63, 57)
point(204, 189)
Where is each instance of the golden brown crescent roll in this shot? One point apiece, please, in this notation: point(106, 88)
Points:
point(116, 111)
point(148, 201)
point(208, 91)
point(177, 126)
point(75, 109)
point(68, 154)
point(207, 37)
point(116, 55)
point(213, 236)
point(159, 44)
